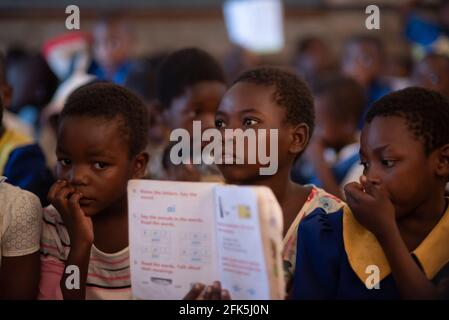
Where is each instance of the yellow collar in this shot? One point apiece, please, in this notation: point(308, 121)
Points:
point(363, 249)
point(8, 142)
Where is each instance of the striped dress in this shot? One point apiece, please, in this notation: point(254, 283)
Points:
point(108, 274)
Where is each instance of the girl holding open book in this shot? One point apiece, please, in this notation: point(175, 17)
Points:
point(271, 98)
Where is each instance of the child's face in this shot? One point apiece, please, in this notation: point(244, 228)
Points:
point(251, 106)
point(94, 158)
point(362, 62)
point(394, 158)
point(332, 133)
point(432, 74)
point(111, 44)
point(198, 103)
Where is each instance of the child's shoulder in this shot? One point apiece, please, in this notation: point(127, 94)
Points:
point(16, 201)
point(318, 198)
point(20, 220)
point(319, 220)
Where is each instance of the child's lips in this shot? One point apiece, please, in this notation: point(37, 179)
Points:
point(86, 202)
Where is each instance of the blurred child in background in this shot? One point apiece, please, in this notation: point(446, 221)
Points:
point(363, 60)
point(333, 153)
point(190, 86)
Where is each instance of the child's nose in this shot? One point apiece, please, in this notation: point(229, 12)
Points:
point(372, 176)
point(78, 176)
point(208, 121)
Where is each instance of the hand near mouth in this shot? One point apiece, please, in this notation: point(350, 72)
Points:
point(64, 197)
point(371, 206)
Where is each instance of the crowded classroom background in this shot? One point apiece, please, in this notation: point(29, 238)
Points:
point(359, 100)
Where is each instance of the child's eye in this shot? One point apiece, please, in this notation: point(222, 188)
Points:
point(219, 124)
point(250, 122)
point(100, 165)
point(388, 163)
point(65, 162)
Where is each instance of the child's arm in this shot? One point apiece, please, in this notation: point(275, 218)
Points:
point(20, 263)
point(374, 210)
point(66, 200)
point(315, 153)
point(19, 277)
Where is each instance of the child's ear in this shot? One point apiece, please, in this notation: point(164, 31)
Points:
point(300, 136)
point(140, 165)
point(443, 161)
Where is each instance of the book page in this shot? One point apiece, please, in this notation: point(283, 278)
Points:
point(172, 241)
point(271, 225)
point(239, 244)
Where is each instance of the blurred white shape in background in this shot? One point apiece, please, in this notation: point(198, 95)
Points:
point(256, 25)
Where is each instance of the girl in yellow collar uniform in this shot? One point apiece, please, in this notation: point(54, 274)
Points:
point(393, 240)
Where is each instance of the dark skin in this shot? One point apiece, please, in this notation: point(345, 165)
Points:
point(247, 105)
point(362, 61)
point(198, 103)
point(94, 166)
point(328, 133)
point(19, 276)
point(407, 186)
point(433, 73)
point(112, 45)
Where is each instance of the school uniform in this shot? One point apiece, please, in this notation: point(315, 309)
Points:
point(336, 257)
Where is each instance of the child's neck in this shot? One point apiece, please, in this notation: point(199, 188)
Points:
point(111, 227)
point(415, 226)
point(291, 196)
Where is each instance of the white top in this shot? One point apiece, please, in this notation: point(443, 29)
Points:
point(20, 221)
point(356, 170)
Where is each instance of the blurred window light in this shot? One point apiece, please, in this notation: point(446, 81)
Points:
point(256, 25)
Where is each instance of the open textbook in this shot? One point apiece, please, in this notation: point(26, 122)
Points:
point(186, 232)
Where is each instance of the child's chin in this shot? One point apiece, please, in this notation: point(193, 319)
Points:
point(236, 174)
point(89, 211)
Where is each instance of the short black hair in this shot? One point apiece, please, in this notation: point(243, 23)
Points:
point(346, 95)
point(110, 101)
point(185, 68)
point(425, 111)
point(290, 92)
point(141, 78)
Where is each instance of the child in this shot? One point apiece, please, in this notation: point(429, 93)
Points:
point(432, 72)
point(270, 98)
point(313, 58)
point(20, 229)
point(112, 49)
point(141, 80)
point(394, 236)
point(333, 153)
point(363, 60)
point(190, 86)
point(101, 140)
point(21, 159)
